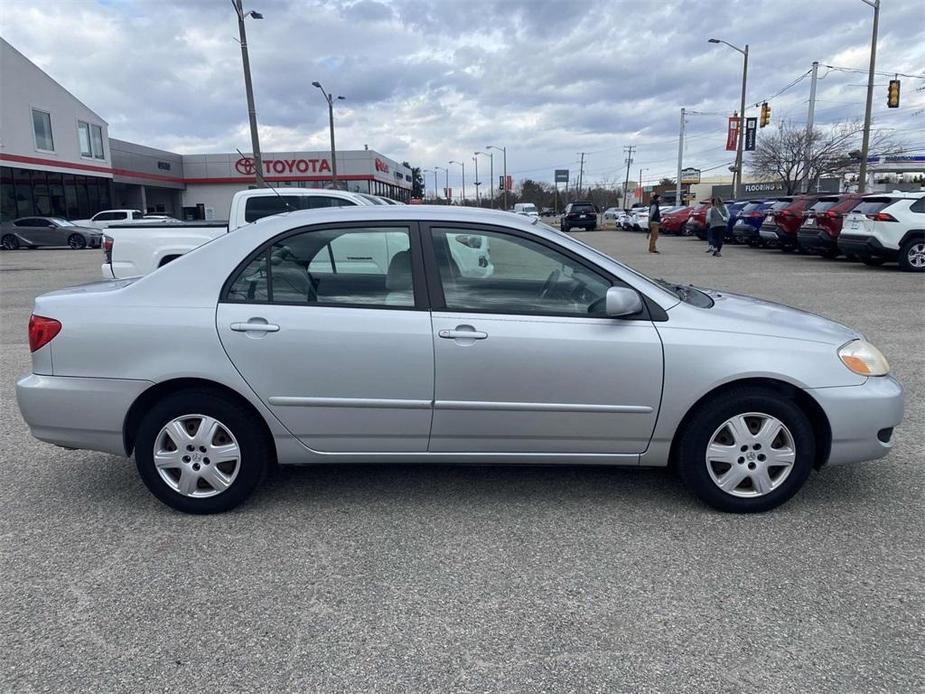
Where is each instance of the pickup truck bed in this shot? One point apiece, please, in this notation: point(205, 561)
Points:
point(130, 253)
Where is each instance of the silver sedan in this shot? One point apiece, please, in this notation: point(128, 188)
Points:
point(33, 232)
point(434, 334)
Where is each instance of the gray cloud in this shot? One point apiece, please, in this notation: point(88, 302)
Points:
point(432, 81)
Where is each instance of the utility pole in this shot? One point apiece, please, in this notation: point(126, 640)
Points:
point(330, 99)
point(504, 164)
point(807, 180)
point(640, 183)
point(629, 149)
point(677, 188)
point(463, 166)
point(581, 172)
point(865, 143)
point(249, 89)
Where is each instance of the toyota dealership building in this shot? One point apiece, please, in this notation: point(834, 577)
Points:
point(57, 159)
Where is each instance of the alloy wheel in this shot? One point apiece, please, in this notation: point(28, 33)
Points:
point(10, 242)
point(76, 241)
point(916, 255)
point(197, 456)
point(750, 455)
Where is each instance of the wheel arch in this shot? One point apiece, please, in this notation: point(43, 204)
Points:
point(822, 430)
point(169, 259)
point(912, 234)
point(160, 390)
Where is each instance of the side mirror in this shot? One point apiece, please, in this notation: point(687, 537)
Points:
point(621, 301)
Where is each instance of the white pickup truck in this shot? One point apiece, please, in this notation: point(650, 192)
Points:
point(136, 249)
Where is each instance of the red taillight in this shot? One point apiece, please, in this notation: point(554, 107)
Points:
point(42, 331)
point(107, 243)
point(882, 217)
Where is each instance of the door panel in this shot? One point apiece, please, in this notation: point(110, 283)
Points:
point(511, 376)
point(545, 384)
point(340, 379)
point(332, 341)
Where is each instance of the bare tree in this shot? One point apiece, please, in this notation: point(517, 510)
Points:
point(792, 156)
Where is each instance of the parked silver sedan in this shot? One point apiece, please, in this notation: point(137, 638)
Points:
point(33, 232)
point(355, 335)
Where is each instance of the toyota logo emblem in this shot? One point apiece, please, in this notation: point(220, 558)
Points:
point(245, 166)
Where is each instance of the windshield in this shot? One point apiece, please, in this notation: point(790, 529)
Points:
point(822, 205)
point(373, 199)
point(751, 207)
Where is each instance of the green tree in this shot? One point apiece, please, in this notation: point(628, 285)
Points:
point(417, 181)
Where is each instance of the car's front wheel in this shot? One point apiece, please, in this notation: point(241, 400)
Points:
point(746, 451)
point(200, 452)
point(77, 242)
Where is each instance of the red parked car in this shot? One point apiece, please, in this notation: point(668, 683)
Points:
point(673, 222)
point(785, 222)
point(697, 221)
point(823, 222)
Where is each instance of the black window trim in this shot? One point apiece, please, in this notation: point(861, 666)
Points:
point(418, 283)
point(650, 310)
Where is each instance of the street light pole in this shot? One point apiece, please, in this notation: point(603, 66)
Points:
point(504, 154)
point(446, 179)
point(677, 188)
point(463, 166)
point(330, 99)
point(249, 89)
point(865, 142)
point(478, 198)
point(738, 172)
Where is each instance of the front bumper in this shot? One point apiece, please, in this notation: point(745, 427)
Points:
point(78, 412)
point(860, 416)
point(865, 246)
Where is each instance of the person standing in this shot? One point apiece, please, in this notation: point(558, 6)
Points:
point(716, 226)
point(655, 220)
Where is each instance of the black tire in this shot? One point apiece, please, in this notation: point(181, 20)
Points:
point(694, 439)
point(873, 261)
point(253, 443)
point(9, 242)
point(76, 242)
point(830, 253)
point(911, 254)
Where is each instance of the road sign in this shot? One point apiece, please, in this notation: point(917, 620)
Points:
point(561, 175)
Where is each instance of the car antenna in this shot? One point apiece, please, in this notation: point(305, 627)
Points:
point(285, 202)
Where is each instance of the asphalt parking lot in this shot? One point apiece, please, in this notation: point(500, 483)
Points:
point(437, 578)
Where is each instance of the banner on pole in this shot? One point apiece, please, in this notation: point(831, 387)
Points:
point(751, 130)
point(732, 136)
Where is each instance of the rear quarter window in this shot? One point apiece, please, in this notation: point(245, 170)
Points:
point(918, 206)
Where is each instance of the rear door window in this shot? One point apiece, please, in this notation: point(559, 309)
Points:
point(872, 205)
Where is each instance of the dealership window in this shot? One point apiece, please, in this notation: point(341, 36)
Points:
point(96, 138)
point(91, 140)
point(7, 195)
point(41, 127)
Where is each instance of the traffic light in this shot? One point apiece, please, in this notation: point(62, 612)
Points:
point(765, 114)
point(892, 98)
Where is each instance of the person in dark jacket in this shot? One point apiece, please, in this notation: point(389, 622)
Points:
point(655, 220)
point(716, 226)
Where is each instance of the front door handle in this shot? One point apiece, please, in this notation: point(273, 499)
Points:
point(464, 334)
point(254, 327)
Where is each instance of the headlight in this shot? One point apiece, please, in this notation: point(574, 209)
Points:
point(863, 358)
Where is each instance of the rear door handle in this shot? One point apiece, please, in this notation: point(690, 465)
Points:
point(462, 334)
point(254, 327)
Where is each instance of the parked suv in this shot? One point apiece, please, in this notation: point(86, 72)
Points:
point(697, 221)
point(822, 224)
point(887, 227)
point(581, 213)
point(787, 220)
point(673, 221)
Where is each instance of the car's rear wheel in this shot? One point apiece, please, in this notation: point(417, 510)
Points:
point(912, 256)
point(746, 451)
point(9, 242)
point(76, 242)
point(200, 452)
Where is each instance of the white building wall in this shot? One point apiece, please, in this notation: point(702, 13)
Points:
point(25, 86)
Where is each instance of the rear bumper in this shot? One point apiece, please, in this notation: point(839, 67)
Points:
point(117, 271)
point(860, 417)
point(768, 233)
point(78, 412)
point(745, 233)
point(865, 246)
point(812, 239)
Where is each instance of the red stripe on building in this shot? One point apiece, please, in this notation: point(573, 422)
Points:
point(54, 162)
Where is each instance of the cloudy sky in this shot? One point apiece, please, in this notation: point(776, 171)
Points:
point(433, 80)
